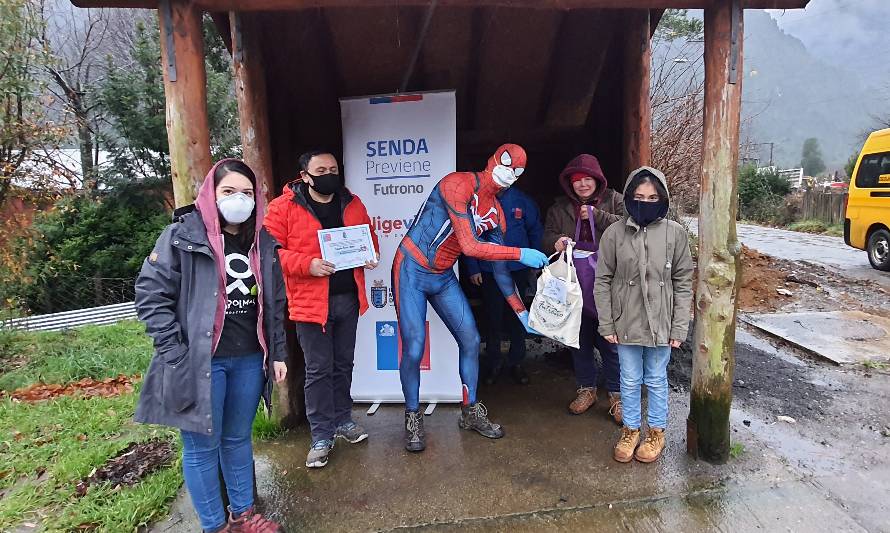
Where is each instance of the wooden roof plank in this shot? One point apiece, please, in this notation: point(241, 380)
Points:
point(281, 5)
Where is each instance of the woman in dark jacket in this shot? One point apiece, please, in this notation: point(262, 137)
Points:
point(212, 298)
point(587, 195)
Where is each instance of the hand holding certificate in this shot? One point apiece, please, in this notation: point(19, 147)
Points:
point(348, 247)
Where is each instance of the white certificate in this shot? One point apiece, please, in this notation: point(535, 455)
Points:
point(347, 247)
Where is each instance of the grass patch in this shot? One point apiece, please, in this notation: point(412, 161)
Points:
point(47, 447)
point(265, 427)
point(875, 365)
point(736, 450)
point(817, 227)
point(62, 357)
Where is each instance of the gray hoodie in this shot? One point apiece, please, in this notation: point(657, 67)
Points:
point(178, 297)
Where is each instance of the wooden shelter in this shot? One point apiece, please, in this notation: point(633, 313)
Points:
point(559, 77)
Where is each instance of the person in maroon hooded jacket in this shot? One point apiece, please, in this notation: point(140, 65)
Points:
point(587, 195)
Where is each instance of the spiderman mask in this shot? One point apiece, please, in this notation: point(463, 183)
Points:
point(506, 165)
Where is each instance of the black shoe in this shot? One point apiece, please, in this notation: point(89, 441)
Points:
point(415, 439)
point(520, 376)
point(475, 417)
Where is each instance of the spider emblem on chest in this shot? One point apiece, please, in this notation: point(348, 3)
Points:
point(483, 222)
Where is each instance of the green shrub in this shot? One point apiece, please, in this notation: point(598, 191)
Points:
point(762, 195)
point(84, 252)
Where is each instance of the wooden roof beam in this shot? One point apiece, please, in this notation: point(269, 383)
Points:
point(283, 5)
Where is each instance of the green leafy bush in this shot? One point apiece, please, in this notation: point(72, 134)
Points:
point(762, 195)
point(85, 251)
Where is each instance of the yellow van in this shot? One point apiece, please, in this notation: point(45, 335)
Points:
point(867, 224)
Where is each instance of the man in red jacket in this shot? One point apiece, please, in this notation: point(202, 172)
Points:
point(324, 303)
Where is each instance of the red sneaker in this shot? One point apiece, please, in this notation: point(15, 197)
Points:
point(251, 521)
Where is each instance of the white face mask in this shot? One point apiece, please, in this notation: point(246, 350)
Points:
point(235, 208)
point(504, 176)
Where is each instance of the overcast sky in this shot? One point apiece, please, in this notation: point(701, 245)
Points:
point(849, 33)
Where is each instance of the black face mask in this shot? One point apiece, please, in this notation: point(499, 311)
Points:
point(326, 183)
point(645, 213)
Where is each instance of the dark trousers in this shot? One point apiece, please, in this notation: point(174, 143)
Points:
point(586, 372)
point(329, 352)
point(495, 310)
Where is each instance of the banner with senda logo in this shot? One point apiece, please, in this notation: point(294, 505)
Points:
point(395, 149)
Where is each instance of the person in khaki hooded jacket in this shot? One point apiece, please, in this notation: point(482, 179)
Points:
point(643, 294)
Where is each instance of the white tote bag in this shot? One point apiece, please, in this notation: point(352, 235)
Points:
point(558, 305)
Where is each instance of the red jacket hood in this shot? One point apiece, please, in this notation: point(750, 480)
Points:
point(586, 164)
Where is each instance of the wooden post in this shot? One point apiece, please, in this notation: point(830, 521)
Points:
point(185, 87)
point(637, 121)
point(250, 89)
point(719, 266)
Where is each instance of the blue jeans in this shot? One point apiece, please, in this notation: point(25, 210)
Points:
point(644, 364)
point(236, 385)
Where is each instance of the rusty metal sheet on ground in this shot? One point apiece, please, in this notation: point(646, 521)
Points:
point(844, 337)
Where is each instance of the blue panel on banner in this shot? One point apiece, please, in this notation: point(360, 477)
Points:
point(388, 345)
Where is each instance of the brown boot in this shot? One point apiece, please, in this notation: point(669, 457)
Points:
point(627, 443)
point(615, 407)
point(251, 521)
point(584, 401)
point(652, 447)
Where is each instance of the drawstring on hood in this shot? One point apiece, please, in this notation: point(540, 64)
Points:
point(205, 203)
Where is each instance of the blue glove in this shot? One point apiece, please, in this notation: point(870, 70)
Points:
point(523, 317)
point(532, 258)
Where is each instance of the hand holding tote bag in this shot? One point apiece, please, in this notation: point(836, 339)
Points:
point(558, 305)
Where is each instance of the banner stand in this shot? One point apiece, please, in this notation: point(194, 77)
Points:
point(396, 148)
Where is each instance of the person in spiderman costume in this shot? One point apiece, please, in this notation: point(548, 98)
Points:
point(461, 216)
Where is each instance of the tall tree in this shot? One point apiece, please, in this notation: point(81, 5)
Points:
point(676, 97)
point(83, 47)
point(24, 122)
point(811, 158)
point(134, 100)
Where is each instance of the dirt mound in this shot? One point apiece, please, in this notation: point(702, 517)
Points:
point(761, 277)
point(86, 387)
point(134, 463)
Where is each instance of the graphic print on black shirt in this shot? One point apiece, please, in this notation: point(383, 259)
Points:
point(239, 336)
point(330, 216)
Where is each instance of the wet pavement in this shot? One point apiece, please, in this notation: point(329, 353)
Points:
point(830, 252)
point(554, 471)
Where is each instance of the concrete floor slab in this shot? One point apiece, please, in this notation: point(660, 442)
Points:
point(552, 472)
point(843, 337)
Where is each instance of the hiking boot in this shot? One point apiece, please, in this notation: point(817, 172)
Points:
point(520, 376)
point(251, 521)
point(415, 438)
point(584, 401)
point(627, 443)
point(318, 453)
point(652, 446)
point(475, 417)
point(615, 407)
point(351, 432)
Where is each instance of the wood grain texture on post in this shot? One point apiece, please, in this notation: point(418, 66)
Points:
point(250, 90)
point(719, 267)
point(185, 88)
point(637, 119)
